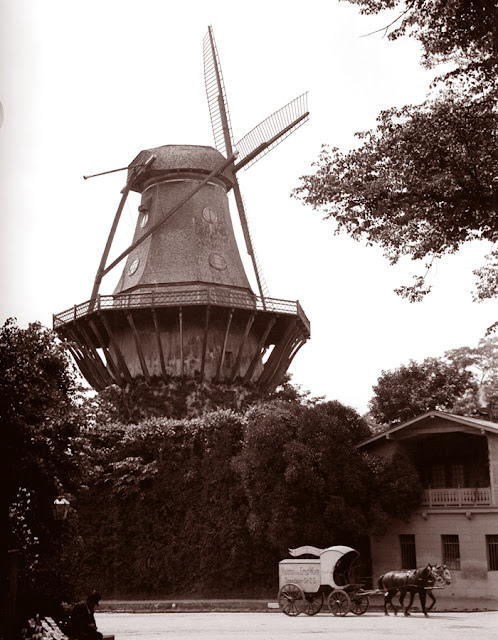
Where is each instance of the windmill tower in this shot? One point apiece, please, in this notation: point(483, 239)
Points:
point(183, 308)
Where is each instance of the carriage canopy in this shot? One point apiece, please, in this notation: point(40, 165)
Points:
point(332, 566)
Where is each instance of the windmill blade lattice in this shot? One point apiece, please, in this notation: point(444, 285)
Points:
point(223, 138)
point(269, 133)
point(216, 97)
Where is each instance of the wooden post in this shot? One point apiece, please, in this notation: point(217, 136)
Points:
point(112, 233)
point(224, 346)
point(125, 372)
point(257, 354)
point(278, 353)
point(204, 345)
point(180, 318)
point(110, 362)
point(238, 359)
point(141, 357)
point(159, 344)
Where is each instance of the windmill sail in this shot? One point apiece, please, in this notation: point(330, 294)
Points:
point(223, 139)
point(269, 133)
point(216, 97)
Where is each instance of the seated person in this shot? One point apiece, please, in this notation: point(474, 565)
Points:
point(82, 625)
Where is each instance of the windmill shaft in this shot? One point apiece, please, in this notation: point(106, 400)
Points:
point(103, 173)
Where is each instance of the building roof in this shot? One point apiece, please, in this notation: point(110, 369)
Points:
point(433, 422)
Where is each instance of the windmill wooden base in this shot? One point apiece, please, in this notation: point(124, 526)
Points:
point(205, 334)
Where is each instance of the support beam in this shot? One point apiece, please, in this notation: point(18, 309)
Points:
point(92, 361)
point(138, 346)
point(159, 344)
point(285, 364)
point(224, 346)
point(107, 355)
point(107, 248)
point(83, 366)
point(182, 359)
point(236, 364)
point(204, 344)
point(125, 372)
point(257, 355)
point(278, 353)
point(89, 342)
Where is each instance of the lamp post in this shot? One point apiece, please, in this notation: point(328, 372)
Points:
point(60, 510)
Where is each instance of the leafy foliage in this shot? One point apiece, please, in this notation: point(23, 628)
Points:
point(464, 381)
point(422, 183)
point(318, 482)
point(176, 398)
point(40, 417)
point(455, 29)
point(482, 362)
point(416, 388)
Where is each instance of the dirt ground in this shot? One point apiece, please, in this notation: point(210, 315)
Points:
point(274, 625)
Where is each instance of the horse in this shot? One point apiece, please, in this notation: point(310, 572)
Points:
point(442, 577)
point(410, 580)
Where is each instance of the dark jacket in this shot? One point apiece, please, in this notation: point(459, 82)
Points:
point(82, 623)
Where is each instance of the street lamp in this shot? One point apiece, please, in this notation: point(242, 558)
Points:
point(60, 510)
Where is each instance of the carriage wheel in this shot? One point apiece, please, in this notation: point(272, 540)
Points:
point(313, 603)
point(339, 602)
point(359, 604)
point(291, 599)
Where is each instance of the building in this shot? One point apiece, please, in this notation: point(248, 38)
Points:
point(457, 521)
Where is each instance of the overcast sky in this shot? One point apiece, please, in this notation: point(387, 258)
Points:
point(87, 85)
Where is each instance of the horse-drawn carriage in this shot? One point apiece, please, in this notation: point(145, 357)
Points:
point(305, 583)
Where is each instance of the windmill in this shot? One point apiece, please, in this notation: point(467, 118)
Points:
point(183, 307)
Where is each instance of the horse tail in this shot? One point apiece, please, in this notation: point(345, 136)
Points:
point(380, 583)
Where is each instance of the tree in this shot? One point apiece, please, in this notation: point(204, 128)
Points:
point(482, 362)
point(416, 388)
point(40, 417)
point(464, 31)
point(306, 481)
point(422, 183)
point(463, 381)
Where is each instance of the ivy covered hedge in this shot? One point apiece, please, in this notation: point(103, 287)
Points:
point(208, 506)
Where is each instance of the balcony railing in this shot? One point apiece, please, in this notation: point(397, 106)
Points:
point(188, 297)
point(457, 497)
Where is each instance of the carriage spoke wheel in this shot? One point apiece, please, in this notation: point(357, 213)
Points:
point(313, 603)
point(339, 602)
point(359, 604)
point(291, 599)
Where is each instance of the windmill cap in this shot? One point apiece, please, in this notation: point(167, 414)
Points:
point(177, 158)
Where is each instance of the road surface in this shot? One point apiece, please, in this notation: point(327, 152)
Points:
point(277, 626)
